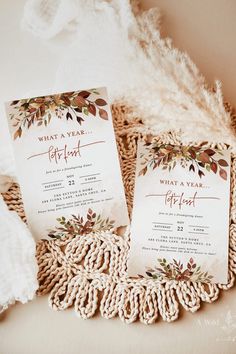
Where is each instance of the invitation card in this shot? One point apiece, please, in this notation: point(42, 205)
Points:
point(180, 221)
point(67, 162)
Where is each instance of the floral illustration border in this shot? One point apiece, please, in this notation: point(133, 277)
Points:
point(197, 159)
point(175, 270)
point(79, 225)
point(75, 105)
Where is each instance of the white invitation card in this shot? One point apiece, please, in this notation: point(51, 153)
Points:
point(67, 162)
point(180, 220)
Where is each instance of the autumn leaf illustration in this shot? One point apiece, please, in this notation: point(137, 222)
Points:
point(214, 167)
point(223, 163)
point(198, 159)
point(18, 133)
point(175, 270)
point(92, 109)
point(70, 105)
point(79, 225)
point(103, 114)
point(223, 174)
point(100, 102)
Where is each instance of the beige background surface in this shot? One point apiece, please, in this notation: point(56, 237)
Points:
point(206, 30)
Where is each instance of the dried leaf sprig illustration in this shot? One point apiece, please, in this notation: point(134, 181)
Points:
point(195, 158)
point(79, 225)
point(70, 105)
point(175, 270)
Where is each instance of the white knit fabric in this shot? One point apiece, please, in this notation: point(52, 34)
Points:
point(47, 18)
point(18, 270)
point(110, 46)
point(18, 267)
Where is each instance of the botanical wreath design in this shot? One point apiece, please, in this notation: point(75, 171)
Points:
point(78, 225)
point(195, 158)
point(176, 271)
point(70, 105)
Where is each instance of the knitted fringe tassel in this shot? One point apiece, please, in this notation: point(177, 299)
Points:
point(90, 273)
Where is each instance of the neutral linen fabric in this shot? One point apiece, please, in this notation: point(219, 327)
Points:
point(18, 267)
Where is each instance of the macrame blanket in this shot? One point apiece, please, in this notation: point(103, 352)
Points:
point(88, 272)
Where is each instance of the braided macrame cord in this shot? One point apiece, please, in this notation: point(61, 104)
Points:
point(89, 272)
